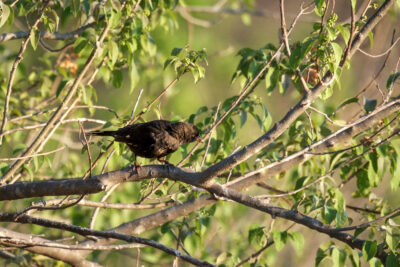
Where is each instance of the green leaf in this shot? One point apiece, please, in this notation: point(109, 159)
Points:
point(369, 249)
point(4, 167)
point(76, 6)
point(29, 170)
point(61, 86)
point(395, 169)
point(338, 257)
point(373, 177)
point(4, 13)
point(300, 52)
point(337, 52)
point(392, 261)
point(395, 181)
point(134, 76)
point(355, 258)
point(80, 44)
point(371, 38)
point(117, 78)
point(345, 32)
point(176, 51)
point(57, 19)
point(327, 93)
point(363, 182)
point(347, 102)
point(339, 201)
point(353, 4)
point(267, 120)
point(392, 238)
point(319, 7)
point(358, 231)
point(115, 18)
point(165, 228)
point(113, 52)
point(255, 234)
point(329, 214)
point(271, 79)
point(320, 256)
point(297, 240)
point(279, 239)
point(374, 262)
point(34, 37)
point(243, 117)
point(18, 148)
point(369, 104)
point(195, 74)
point(222, 258)
point(392, 78)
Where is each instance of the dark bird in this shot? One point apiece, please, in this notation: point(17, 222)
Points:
point(154, 139)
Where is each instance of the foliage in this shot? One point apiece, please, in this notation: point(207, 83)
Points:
point(134, 54)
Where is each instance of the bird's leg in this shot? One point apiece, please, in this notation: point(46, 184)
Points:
point(135, 164)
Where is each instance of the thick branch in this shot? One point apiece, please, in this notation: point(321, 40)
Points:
point(13, 217)
point(102, 182)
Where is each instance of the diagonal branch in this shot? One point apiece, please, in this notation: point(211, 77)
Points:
point(51, 36)
point(297, 110)
point(59, 113)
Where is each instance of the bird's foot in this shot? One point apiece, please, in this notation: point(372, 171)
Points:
point(164, 161)
point(136, 166)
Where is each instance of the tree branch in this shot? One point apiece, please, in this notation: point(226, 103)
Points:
point(13, 217)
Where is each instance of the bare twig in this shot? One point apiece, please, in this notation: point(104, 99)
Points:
point(153, 102)
point(363, 209)
point(352, 32)
point(209, 139)
point(51, 36)
point(35, 155)
point(105, 205)
point(369, 223)
point(390, 91)
point(97, 210)
point(381, 54)
point(326, 117)
point(136, 104)
point(287, 46)
point(87, 147)
point(41, 125)
point(51, 110)
point(54, 50)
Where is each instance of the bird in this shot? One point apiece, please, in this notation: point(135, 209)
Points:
point(154, 139)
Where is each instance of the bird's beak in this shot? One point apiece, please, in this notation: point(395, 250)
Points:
point(199, 139)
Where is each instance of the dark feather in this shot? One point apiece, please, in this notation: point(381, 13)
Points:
point(154, 139)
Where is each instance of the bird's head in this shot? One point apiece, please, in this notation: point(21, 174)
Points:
point(189, 132)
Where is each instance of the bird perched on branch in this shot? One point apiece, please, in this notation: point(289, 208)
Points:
point(154, 139)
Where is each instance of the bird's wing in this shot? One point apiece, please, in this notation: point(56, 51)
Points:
point(165, 143)
point(127, 133)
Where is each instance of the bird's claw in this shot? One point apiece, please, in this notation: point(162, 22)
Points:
point(136, 166)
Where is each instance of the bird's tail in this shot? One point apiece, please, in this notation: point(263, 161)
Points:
point(103, 133)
